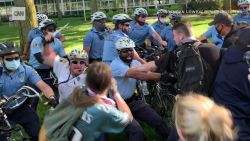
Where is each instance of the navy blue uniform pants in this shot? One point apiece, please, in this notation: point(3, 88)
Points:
point(27, 118)
point(145, 113)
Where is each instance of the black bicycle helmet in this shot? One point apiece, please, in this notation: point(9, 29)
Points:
point(7, 48)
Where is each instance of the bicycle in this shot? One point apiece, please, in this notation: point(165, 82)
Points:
point(8, 104)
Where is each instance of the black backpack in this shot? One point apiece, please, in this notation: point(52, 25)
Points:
point(193, 73)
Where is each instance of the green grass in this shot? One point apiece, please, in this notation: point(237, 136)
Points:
point(74, 35)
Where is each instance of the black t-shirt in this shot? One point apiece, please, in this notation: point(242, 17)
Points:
point(232, 36)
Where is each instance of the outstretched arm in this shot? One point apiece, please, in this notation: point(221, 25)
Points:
point(48, 53)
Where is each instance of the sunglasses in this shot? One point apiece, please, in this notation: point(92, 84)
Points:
point(127, 25)
point(143, 16)
point(11, 59)
point(127, 50)
point(163, 16)
point(101, 21)
point(81, 62)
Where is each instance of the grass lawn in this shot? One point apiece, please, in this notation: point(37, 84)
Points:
point(74, 35)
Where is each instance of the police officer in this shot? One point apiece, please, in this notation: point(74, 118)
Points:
point(14, 75)
point(174, 18)
point(160, 25)
point(36, 32)
point(36, 61)
point(94, 40)
point(223, 23)
point(213, 34)
point(122, 27)
point(140, 30)
point(243, 15)
point(126, 82)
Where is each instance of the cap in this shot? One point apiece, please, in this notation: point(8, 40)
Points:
point(222, 17)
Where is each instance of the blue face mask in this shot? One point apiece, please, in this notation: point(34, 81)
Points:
point(12, 65)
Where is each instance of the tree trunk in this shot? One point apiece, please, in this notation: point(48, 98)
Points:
point(59, 12)
point(30, 21)
point(94, 5)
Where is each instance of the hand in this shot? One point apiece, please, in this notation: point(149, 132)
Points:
point(24, 58)
point(110, 29)
point(249, 75)
point(48, 37)
point(52, 101)
point(113, 87)
point(164, 43)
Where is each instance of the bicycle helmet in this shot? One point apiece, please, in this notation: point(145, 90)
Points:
point(41, 17)
point(78, 53)
point(241, 2)
point(98, 16)
point(162, 12)
point(124, 42)
point(121, 18)
point(175, 16)
point(140, 11)
point(46, 23)
point(7, 48)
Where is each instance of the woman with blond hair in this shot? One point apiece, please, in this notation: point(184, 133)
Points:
point(198, 118)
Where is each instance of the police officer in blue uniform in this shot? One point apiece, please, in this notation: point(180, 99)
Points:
point(94, 40)
point(244, 15)
point(140, 30)
point(122, 27)
point(231, 86)
point(213, 34)
point(14, 75)
point(160, 25)
point(126, 82)
point(36, 32)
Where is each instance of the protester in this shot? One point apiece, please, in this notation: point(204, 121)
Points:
point(198, 118)
point(69, 71)
point(231, 86)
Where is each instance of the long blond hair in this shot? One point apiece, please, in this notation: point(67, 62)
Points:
point(200, 119)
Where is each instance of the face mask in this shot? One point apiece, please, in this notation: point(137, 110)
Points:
point(219, 31)
point(244, 11)
point(12, 65)
point(162, 20)
point(99, 27)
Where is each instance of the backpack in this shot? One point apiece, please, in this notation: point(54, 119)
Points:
point(193, 73)
point(58, 122)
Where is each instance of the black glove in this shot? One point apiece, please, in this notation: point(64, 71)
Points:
point(52, 101)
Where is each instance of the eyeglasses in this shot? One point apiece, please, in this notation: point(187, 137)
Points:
point(51, 29)
point(127, 50)
point(78, 61)
point(101, 21)
point(127, 25)
point(11, 59)
point(163, 16)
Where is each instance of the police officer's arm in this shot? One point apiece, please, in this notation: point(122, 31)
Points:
point(143, 75)
point(45, 88)
point(149, 66)
point(202, 38)
point(138, 58)
point(87, 42)
point(61, 38)
point(158, 38)
point(26, 48)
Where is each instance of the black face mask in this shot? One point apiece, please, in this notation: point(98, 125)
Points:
point(99, 27)
point(219, 31)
